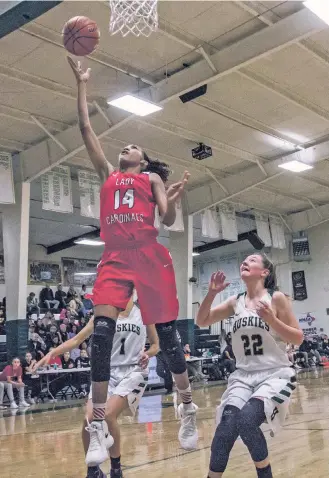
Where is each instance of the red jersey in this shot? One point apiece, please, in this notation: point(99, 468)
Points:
point(127, 209)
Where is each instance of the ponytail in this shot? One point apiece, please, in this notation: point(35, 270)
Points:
point(155, 166)
point(271, 280)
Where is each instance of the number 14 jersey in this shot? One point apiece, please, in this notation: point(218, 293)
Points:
point(127, 209)
point(255, 345)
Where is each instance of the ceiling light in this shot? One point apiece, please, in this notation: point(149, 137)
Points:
point(89, 242)
point(295, 166)
point(135, 105)
point(194, 254)
point(85, 273)
point(319, 8)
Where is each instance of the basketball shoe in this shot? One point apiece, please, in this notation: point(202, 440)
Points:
point(116, 473)
point(95, 473)
point(188, 432)
point(100, 442)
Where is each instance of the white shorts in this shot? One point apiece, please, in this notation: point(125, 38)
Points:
point(273, 386)
point(127, 381)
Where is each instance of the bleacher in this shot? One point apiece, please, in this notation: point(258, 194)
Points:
point(205, 340)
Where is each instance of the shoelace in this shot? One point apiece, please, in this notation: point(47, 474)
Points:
point(94, 437)
point(189, 424)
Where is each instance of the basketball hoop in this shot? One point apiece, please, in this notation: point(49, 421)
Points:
point(139, 17)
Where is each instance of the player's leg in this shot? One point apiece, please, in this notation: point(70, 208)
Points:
point(111, 294)
point(93, 471)
point(250, 418)
point(157, 296)
point(115, 406)
point(238, 392)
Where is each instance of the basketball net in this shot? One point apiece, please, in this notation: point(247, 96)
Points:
point(139, 17)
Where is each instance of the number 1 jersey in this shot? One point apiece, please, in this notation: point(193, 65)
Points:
point(255, 345)
point(127, 209)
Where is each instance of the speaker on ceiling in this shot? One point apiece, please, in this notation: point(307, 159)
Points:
point(193, 94)
point(255, 241)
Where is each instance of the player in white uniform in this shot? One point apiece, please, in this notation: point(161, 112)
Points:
point(260, 388)
point(129, 374)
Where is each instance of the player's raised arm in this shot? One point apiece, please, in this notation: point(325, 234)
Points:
point(93, 146)
point(207, 316)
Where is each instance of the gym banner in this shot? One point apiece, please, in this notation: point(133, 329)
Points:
point(7, 191)
point(89, 187)
point(299, 285)
point(57, 190)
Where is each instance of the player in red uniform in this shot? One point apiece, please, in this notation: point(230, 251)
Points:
point(132, 258)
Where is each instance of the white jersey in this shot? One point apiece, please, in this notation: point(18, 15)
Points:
point(129, 339)
point(255, 345)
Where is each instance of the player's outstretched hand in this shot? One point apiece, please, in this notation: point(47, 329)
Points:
point(218, 282)
point(175, 191)
point(44, 361)
point(80, 75)
point(144, 360)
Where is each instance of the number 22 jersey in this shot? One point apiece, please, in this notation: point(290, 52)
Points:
point(255, 345)
point(127, 210)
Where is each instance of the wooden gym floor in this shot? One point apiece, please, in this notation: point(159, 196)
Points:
point(47, 444)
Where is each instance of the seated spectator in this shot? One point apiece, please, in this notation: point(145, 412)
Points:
point(54, 360)
point(10, 378)
point(40, 325)
point(325, 346)
point(83, 361)
point(74, 331)
point(53, 332)
point(82, 323)
point(32, 306)
point(47, 298)
point(63, 332)
point(75, 353)
point(31, 381)
point(83, 292)
point(64, 313)
point(67, 362)
point(36, 347)
point(55, 342)
point(60, 296)
point(71, 294)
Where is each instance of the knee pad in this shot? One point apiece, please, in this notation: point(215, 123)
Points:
point(171, 347)
point(224, 439)
point(249, 420)
point(101, 348)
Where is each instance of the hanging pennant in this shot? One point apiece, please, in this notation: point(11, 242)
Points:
point(277, 233)
point(178, 225)
point(210, 225)
point(7, 191)
point(57, 190)
point(89, 187)
point(228, 221)
point(263, 228)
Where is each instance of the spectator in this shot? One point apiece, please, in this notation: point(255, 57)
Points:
point(67, 362)
point(60, 296)
point(40, 325)
point(83, 291)
point(63, 332)
point(83, 361)
point(71, 294)
point(53, 332)
point(83, 323)
point(31, 381)
point(228, 355)
point(10, 378)
point(74, 331)
point(47, 298)
point(54, 360)
point(32, 306)
point(35, 347)
point(55, 342)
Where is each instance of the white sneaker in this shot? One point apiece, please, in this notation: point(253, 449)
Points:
point(31, 401)
point(100, 441)
point(188, 432)
point(13, 405)
point(24, 404)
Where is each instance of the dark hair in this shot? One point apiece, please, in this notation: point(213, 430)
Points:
point(270, 281)
point(155, 166)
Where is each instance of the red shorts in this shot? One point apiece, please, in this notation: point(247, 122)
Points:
point(150, 271)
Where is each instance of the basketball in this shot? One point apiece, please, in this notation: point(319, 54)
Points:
point(80, 36)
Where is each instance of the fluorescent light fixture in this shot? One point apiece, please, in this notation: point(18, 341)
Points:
point(194, 254)
point(295, 166)
point(85, 273)
point(135, 105)
point(89, 242)
point(319, 8)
